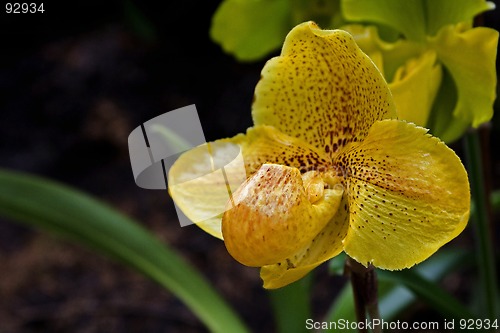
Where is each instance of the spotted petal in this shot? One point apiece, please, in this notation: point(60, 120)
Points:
point(408, 196)
point(275, 213)
point(322, 89)
point(202, 179)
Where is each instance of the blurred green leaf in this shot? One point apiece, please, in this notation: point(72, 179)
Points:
point(396, 292)
point(139, 22)
point(71, 214)
point(433, 270)
point(326, 13)
point(442, 122)
point(415, 19)
point(443, 12)
point(481, 224)
point(469, 56)
point(407, 17)
point(495, 201)
point(251, 29)
point(292, 305)
point(430, 292)
point(342, 308)
point(336, 264)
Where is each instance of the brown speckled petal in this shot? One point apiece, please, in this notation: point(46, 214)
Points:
point(408, 196)
point(265, 144)
point(199, 187)
point(322, 89)
point(272, 216)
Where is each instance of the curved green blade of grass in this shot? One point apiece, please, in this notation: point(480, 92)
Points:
point(397, 290)
point(430, 292)
point(71, 214)
point(292, 306)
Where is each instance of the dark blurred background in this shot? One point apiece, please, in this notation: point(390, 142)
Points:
point(74, 82)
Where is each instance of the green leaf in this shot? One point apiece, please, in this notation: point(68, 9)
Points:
point(71, 214)
point(407, 16)
point(444, 12)
point(414, 18)
point(326, 13)
point(342, 308)
point(495, 201)
point(336, 265)
point(469, 55)
point(251, 29)
point(442, 123)
point(292, 306)
point(481, 224)
point(428, 291)
point(394, 291)
point(139, 22)
point(433, 269)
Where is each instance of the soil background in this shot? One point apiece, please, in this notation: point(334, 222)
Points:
point(74, 82)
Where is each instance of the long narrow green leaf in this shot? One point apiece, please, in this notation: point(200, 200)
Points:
point(428, 291)
point(292, 306)
point(495, 201)
point(342, 309)
point(485, 254)
point(399, 297)
point(395, 291)
point(54, 207)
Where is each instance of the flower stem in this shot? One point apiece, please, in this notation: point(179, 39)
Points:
point(481, 223)
point(365, 287)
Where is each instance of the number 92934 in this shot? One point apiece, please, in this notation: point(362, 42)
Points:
point(23, 8)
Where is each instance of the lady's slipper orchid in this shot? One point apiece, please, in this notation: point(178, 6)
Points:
point(328, 169)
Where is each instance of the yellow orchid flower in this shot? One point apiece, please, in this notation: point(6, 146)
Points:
point(328, 169)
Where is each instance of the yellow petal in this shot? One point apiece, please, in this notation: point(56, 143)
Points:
point(326, 245)
point(265, 144)
point(271, 216)
point(408, 196)
point(415, 87)
point(322, 89)
point(202, 179)
point(198, 183)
